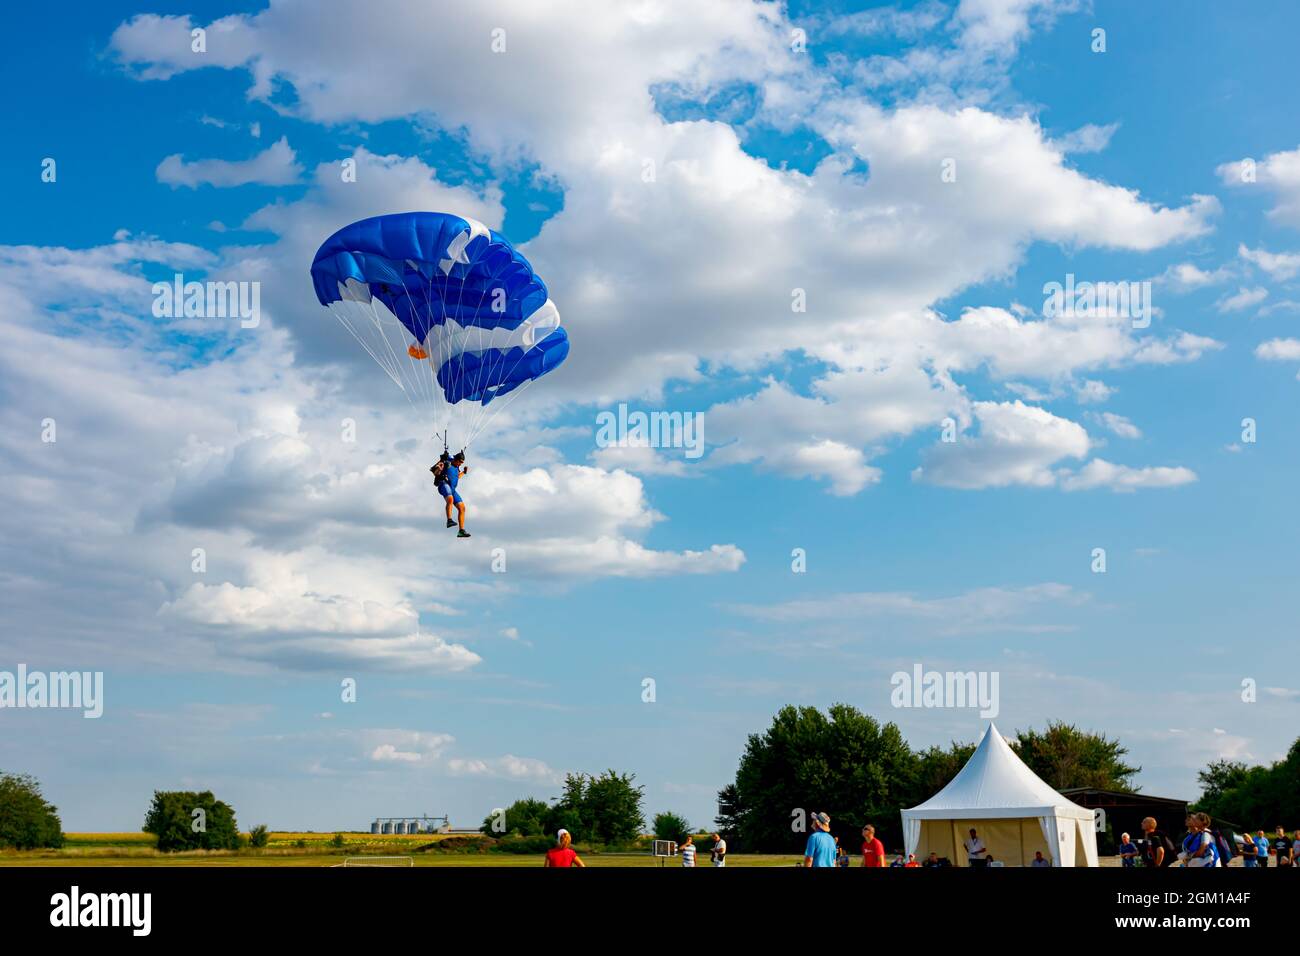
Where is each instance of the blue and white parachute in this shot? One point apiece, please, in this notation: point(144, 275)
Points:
point(447, 307)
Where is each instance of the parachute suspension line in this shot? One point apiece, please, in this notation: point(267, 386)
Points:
point(388, 346)
point(442, 343)
point(417, 373)
point(338, 313)
point(501, 408)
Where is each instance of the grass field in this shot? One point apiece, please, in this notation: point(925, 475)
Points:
point(317, 849)
point(288, 849)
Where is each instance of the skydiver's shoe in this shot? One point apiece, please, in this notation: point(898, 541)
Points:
point(462, 533)
point(451, 522)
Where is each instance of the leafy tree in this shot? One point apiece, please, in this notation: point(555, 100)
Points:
point(613, 805)
point(936, 768)
point(729, 811)
point(526, 817)
point(603, 809)
point(259, 836)
point(1065, 756)
point(842, 762)
point(670, 826)
point(1219, 778)
point(27, 819)
point(1255, 797)
point(571, 809)
point(172, 819)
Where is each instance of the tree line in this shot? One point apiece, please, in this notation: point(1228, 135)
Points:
point(1262, 796)
point(842, 762)
point(848, 764)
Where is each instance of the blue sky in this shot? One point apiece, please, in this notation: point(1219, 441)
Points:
point(776, 169)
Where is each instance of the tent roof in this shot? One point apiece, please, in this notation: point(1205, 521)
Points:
point(995, 783)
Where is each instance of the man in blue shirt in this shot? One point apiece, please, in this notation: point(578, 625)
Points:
point(447, 475)
point(1261, 848)
point(820, 850)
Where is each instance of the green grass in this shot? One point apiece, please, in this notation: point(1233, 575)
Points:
point(110, 856)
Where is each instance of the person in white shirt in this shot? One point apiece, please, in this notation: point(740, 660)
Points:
point(687, 850)
point(718, 855)
point(976, 852)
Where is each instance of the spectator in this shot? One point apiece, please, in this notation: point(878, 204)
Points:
point(1295, 850)
point(1261, 848)
point(718, 855)
point(687, 850)
point(976, 851)
point(1248, 857)
point(873, 851)
point(1222, 843)
point(1283, 847)
point(989, 861)
point(911, 861)
point(820, 849)
point(841, 854)
point(933, 862)
point(1128, 851)
point(1199, 849)
point(1158, 851)
point(1040, 861)
point(563, 854)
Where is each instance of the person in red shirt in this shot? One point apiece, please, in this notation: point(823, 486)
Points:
point(873, 851)
point(562, 854)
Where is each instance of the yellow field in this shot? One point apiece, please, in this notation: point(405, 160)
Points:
point(112, 856)
point(287, 848)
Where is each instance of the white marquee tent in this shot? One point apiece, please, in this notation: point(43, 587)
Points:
point(1013, 810)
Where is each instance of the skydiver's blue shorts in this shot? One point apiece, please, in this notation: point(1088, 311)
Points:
point(447, 491)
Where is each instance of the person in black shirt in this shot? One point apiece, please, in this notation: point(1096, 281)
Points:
point(1155, 851)
point(1282, 843)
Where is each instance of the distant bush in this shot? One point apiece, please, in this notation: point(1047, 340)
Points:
point(338, 840)
point(524, 845)
point(259, 836)
point(670, 826)
point(27, 820)
point(185, 820)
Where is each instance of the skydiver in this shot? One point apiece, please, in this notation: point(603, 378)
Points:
point(447, 478)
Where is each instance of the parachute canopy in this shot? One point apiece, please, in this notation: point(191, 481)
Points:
point(451, 311)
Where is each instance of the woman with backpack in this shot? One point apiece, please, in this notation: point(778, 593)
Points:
point(1199, 849)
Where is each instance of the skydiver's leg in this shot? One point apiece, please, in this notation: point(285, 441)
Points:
point(460, 509)
point(450, 521)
